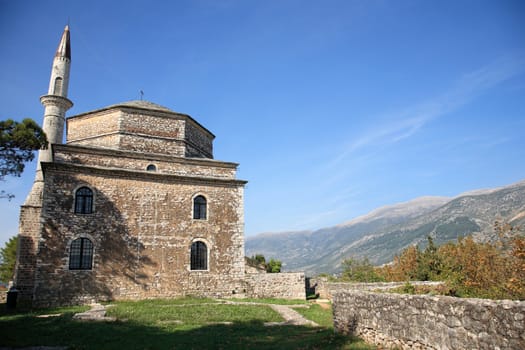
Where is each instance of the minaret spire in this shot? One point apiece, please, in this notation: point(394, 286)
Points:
point(64, 47)
point(59, 81)
point(55, 104)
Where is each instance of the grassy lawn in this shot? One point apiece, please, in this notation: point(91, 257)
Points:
point(172, 324)
point(323, 317)
point(272, 301)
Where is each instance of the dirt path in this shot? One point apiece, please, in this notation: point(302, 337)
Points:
point(291, 317)
point(96, 313)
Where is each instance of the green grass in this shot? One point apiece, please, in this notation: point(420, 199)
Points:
point(172, 324)
point(323, 317)
point(272, 301)
point(178, 315)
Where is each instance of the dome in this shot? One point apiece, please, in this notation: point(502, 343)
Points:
point(142, 104)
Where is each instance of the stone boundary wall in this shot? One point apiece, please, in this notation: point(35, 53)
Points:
point(430, 322)
point(325, 289)
point(287, 285)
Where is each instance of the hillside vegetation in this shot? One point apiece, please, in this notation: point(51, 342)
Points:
point(386, 232)
point(469, 269)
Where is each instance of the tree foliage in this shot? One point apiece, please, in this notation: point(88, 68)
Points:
point(273, 266)
point(469, 269)
point(516, 282)
point(474, 269)
point(429, 262)
point(18, 141)
point(355, 270)
point(259, 261)
point(8, 259)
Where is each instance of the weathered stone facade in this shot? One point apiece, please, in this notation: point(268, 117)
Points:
point(142, 225)
point(133, 206)
point(141, 127)
point(430, 322)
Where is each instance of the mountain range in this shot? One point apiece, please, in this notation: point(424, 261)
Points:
point(385, 232)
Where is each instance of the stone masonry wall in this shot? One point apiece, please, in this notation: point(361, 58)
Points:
point(89, 129)
point(137, 161)
point(142, 230)
point(28, 237)
point(325, 289)
point(430, 322)
point(288, 285)
point(141, 131)
point(199, 144)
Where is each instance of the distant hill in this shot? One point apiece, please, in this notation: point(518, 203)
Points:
point(386, 231)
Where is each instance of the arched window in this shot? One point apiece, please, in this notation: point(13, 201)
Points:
point(199, 208)
point(84, 201)
point(151, 167)
point(58, 86)
point(81, 254)
point(199, 256)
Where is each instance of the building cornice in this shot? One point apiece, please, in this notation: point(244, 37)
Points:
point(138, 175)
point(110, 152)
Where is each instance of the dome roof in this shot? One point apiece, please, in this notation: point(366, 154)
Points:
point(142, 104)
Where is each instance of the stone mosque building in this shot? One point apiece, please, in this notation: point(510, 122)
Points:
point(132, 206)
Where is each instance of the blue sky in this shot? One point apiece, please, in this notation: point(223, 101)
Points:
point(332, 108)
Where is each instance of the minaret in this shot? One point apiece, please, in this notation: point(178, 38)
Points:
point(55, 104)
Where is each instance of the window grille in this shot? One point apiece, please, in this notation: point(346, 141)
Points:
point(199, 208)
point(81, 254)
point(84, 201)
point(199, 256)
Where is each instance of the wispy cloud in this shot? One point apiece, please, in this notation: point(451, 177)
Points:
point(400, 125)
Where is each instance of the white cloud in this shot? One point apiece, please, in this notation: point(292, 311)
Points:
point(400, 125)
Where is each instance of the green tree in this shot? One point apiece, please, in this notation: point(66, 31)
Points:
point(8, 259)
point(355, 270)
point(259, 259)
point(273, 266)
point(429, 263)
point(18, 141)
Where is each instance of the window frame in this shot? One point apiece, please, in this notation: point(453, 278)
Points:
point(197, 208)
point(86, 250)
point(81, 208)
point(196, 258)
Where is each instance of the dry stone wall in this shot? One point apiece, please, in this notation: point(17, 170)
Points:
point(324, 289)
point(287, 285)
point(430, 322)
